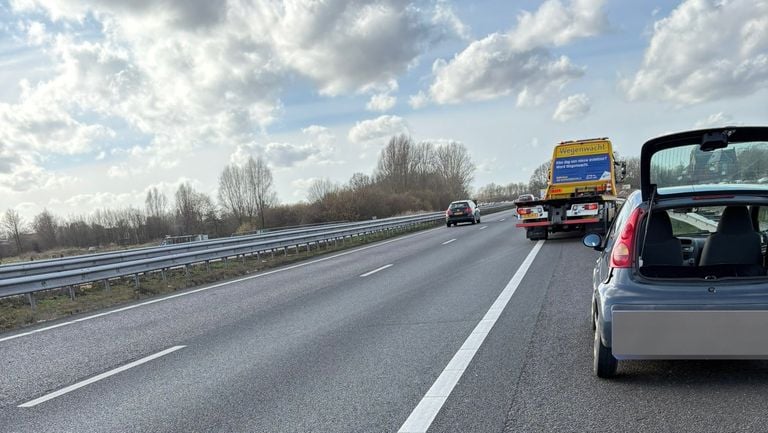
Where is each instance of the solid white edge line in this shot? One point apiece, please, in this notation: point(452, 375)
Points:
point(376, 270)
point(250, 277)
point(427, 409)
point(99, 377)
point(449, 241)
point(483, 227)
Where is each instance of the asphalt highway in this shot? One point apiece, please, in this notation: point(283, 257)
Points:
point(355, 342)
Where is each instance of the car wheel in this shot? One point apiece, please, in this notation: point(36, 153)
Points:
point(448, 225)
point(604, 364)
point(478, 220)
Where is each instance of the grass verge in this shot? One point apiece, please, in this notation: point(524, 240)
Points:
point(16, 312)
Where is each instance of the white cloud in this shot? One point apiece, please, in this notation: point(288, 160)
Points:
point(519, 61)
point(418, 100)
point(331, 42)
point(705, 50)
point(381, 102)
point(36, 34)
point(377, 131)
point(717, 119)
point(446, 17)
point(572, 107)
point(557, 24)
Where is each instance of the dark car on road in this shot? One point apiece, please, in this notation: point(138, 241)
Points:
point(682, 271)
point(462, 211)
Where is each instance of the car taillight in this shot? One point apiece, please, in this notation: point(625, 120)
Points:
point(590, 206)
point(621, 256)
point(448, 212)
point(523, 210)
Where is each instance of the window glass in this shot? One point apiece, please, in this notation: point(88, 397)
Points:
point(762, 218)
point(695, 221)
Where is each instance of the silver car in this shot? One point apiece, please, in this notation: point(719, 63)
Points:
point(682, 271)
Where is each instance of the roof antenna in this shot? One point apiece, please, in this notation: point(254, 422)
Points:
point(648, 220)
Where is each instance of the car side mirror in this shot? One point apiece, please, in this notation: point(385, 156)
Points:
point(594, 241)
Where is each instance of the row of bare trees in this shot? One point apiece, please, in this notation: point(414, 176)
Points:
point(409, 177)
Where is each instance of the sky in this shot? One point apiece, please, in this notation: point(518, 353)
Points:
point(102, 100)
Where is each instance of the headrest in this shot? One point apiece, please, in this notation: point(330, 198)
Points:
point(659, 228)
point(735, 220)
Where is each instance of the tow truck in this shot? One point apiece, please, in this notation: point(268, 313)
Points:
point(581, 191)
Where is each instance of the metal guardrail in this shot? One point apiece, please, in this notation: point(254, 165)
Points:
point(83, 275)
point(698, 221)
point(78, 270)
point(15, 270)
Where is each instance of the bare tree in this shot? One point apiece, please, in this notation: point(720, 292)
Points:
point(233, 193)
point(395, 163)
point(156, 203)
point(539, 179)
point(188, 210)
point(455, 167)
point(261, 189)
point(45, 226)
point(321, 188)
point(13, 225)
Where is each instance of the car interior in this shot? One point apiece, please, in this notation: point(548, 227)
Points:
point(674, 248)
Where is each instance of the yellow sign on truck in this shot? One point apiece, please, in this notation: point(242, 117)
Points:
point(581, 190)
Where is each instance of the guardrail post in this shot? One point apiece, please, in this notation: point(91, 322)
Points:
point(71, 291)
point(226, 262)
point(207, 266)
point(106, 285)
point(136, 280)
point(31, 300)
point(162, 274)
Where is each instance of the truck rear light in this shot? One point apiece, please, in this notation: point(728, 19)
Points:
point(590, 206)
point(621, 256)
point(523, 210)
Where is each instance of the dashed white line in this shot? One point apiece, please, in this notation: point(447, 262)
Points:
point(213, 286)
point(376, 270)
point(426, 411)
point(502, 219)
point(99, 377)
point(449, 241)
point(483, 227)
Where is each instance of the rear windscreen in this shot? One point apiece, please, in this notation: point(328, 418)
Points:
point(582, 168)
point(459, 205)
point(738, 164)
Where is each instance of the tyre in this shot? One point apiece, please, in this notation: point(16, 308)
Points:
point(478, 220)
point(604, 364)
point(448, 225)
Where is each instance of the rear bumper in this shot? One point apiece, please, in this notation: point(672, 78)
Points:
point(564, 222)
point(689, 334)
point(461, 219)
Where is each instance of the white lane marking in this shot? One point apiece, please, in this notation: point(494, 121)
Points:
point(99, 377)
point(376, 270)
point(250, 277)
point(449, 241)
point(502, 219)
point(425, 412)
point(483, 227)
